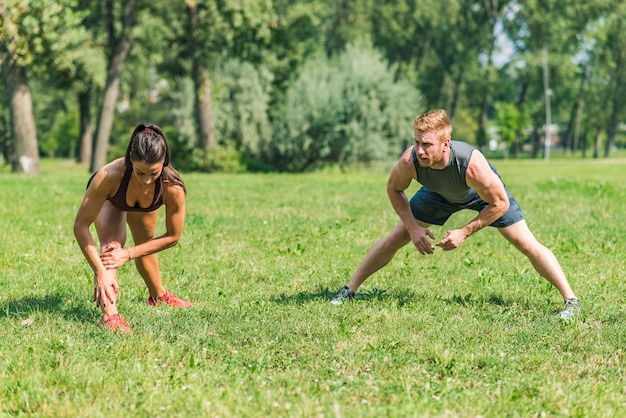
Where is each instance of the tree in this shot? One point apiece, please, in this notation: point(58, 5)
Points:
point(201, 79)
point(214, 32)
point(349, 21)
point(556, 26)
point(445, 47)
point(509, 121)
point(16, 55)
point(39, 38)
point(343, 109)
point(617, 47)
point(242, 111)
point(118, 46)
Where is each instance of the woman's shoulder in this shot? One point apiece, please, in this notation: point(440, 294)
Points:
point(109, 176)
point(172, 180)
point(173, 190)
point(114, 168)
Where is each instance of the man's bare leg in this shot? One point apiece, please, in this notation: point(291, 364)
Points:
point(380, 255)
point(542, 259)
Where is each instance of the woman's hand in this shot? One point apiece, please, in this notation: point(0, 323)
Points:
point(105, 289)
point(114, 256)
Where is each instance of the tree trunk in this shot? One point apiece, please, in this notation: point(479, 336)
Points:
point(597, 144)
point(425, 48)
point(119, 48)
point(583, 144)
point(202, 85)
point(86, 131)
point(521, 102)
point(484, 101)
point(573, 126)
point(25, 156)
point(204, 108)
point(535, 143)
point(579, 109)
point(620, 79)
point(456, 92)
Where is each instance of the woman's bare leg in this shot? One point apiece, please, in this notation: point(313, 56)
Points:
point(110, 226)
point(143, 227)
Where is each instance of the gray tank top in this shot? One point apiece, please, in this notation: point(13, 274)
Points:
point(450, 182)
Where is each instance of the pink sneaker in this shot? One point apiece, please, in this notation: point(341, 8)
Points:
point(169, 299)
point(116, 322)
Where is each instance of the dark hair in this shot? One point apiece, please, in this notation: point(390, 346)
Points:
point(148, 144)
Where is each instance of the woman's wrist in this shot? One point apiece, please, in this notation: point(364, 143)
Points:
point(130, 255)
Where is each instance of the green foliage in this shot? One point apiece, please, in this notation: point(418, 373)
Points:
point(462, 333)
point(44, 32)
point(240, 110)
point(62, 138)
point(509, 120)
point(225, 158)
point(299, 31)
point(344, 109)
point(266, 76)
point(233, 29)
point(241, 106)
point(465, 127)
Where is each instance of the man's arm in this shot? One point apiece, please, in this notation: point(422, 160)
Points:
point(490, 188)
point(399, 180)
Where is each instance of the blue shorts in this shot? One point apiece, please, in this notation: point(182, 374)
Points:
point(433, 209)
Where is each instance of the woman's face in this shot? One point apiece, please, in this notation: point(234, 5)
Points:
point(146, 173)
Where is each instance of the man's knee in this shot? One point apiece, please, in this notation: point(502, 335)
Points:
point(397, 239)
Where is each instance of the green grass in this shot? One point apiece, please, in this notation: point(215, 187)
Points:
point(464, 333)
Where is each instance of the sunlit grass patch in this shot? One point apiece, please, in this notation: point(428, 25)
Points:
point(464, 333)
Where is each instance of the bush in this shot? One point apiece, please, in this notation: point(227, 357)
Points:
point(62, 139)
point(225, 159)
point(241, 106)
point(343, 109)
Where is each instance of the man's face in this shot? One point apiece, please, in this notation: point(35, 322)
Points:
point(429, 150)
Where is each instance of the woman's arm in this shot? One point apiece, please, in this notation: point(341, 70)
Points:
point(105, 284)
point(92, 203)
point(174, 200)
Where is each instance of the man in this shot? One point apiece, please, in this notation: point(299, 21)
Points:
point(454, 176)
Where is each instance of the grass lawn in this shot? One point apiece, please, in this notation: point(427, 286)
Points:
point(464, 333)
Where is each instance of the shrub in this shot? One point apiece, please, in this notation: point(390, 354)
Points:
point(343, 109)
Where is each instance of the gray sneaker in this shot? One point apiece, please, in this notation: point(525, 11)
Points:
point(572, 307)
point(344, 295)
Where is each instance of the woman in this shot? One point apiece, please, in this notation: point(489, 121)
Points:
point(130, 191)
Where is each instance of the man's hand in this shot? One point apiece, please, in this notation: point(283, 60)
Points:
point(452, 239)
point(420, 237)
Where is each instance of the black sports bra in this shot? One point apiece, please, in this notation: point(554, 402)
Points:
point(119, 199)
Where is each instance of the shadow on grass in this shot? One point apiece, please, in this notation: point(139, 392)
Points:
point(325, 295)
point(484, 299)
point(53, 303)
